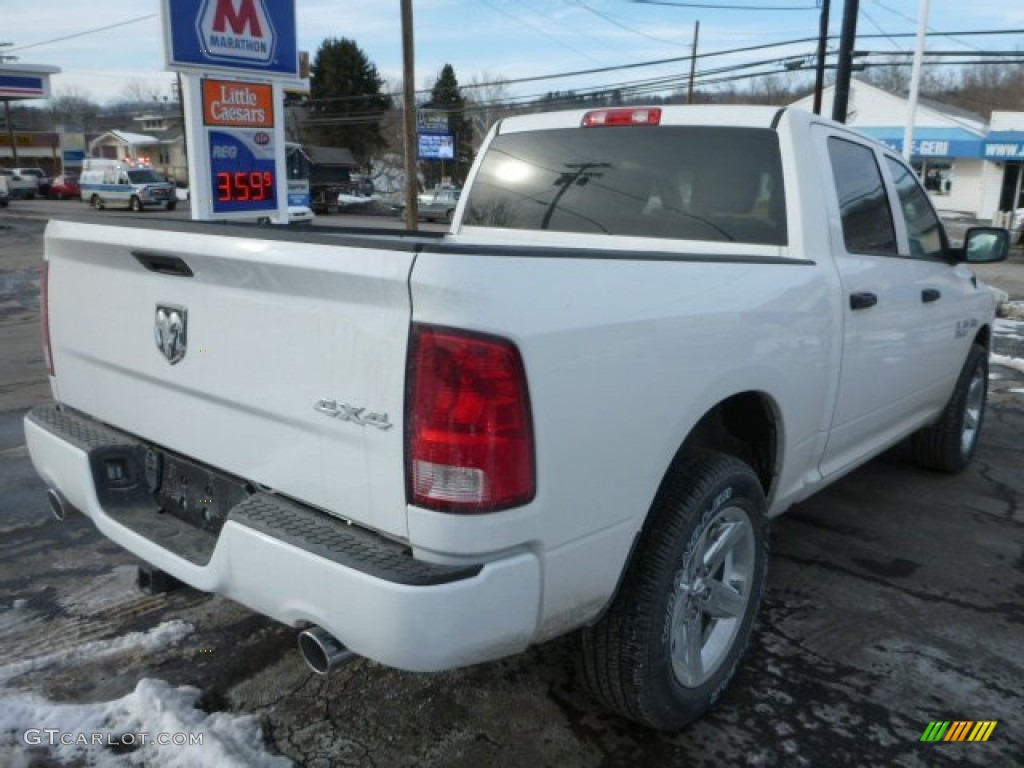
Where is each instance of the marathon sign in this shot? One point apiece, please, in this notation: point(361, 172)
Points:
point(239, 105)
point(251, 36)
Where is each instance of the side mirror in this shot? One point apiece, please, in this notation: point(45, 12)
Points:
point(984, 245)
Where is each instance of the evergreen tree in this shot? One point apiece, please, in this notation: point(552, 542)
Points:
point(346, 103)
point(447, 96)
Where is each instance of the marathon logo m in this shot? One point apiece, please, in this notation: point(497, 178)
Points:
point(237, 31)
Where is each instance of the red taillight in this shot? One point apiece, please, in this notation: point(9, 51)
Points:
point(44, 309)
point(628, 116)
point(469, 432)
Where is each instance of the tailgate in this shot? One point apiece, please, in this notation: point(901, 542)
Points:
point(283, 341)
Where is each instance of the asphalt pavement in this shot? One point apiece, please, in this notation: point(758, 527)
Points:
point(894, 600)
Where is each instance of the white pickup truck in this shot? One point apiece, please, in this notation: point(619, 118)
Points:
point(648, 332)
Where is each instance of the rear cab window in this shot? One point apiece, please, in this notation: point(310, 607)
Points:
point(863, 204)
point(718, 184)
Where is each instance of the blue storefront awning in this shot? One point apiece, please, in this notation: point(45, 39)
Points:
point(931, 142)
point(1004, 145)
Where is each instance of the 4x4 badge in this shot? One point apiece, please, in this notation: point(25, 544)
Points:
point(171, 331)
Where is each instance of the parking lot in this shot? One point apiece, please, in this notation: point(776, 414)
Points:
point(895, 599)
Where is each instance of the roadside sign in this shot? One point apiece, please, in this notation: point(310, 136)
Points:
point(236, 148)
point(240, 104)
point(436, 147)
point(251, 36)
point(25, 81)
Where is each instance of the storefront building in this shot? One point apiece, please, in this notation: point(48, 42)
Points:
point(967, 165)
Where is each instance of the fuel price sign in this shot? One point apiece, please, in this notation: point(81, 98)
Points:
point(243, 171)
point(241, 141)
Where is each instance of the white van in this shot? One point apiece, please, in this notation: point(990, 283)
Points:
point(132, 183)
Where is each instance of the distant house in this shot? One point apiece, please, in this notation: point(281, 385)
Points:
point(330, 165)
point(161, 142)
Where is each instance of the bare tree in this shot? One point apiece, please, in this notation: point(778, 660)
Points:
point(486, 100)
point(74, 109)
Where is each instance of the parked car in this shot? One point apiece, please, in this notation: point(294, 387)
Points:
point(19, 185)
point(64, 187)
point(42, 180)
point(436, 204)
point(132, 183)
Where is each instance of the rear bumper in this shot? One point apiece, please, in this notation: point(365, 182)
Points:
point(297, 564)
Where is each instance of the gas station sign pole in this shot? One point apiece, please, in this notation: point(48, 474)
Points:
point(235, 57)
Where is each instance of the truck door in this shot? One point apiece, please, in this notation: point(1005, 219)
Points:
point(877, 390)
point(945, 328)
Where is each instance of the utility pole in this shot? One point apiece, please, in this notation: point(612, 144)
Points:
point(915, 79)
point(844, 68)
point(409, 116)
point(10, 131)
point(693, 61)
point(819, 70)
point(7, 109)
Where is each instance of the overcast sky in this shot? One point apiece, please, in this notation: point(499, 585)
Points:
point(500, 38)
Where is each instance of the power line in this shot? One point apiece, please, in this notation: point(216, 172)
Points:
point(717, 6)
point(86, 32)
point(620, 25)
point(535, 28)
point(912, 20)
point(877, 26)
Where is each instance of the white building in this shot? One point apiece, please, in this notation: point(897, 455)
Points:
point(967, 165)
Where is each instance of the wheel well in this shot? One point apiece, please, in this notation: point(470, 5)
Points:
point(745, 426)
point(984, 337)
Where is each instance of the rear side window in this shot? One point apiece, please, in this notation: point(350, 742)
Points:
point(863, 203)
point(681, 182)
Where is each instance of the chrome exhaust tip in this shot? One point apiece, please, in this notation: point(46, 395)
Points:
point(322, 652)
point(58, 504)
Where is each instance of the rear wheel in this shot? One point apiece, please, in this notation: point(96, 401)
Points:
point(949, 444)
point(675, 632)
point(135, 204)
point(96, 202)
point(172, 205)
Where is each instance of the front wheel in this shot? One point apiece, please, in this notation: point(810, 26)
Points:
point(675, 632)
point(172, 205)
point(96, 202)
point(949, 444)
point(135, 204)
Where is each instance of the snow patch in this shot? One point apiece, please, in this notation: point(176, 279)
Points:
point(344, 199)
point(155, 724)
point(1011, 310)
point(156, 709)
point(160, 636)
point(1015, 363)
point(1008, 327)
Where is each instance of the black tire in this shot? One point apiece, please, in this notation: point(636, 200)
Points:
point(634, 658)
point(135, 204)
point(448, 215)
point(949, 444)
point(171, 206)
point(96, 202)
